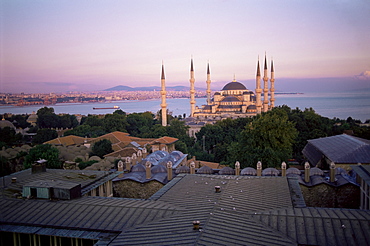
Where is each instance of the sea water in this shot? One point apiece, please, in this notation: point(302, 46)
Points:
point(339, 105)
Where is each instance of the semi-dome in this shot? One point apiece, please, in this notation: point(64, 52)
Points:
point(138, 168)
point(183, 169)
point(205, 170)
point(159, 169)
point(248, 171)
point(227, 171)
point(230, 99)
point(234, 86)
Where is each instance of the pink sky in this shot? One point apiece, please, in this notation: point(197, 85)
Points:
point(54, 46)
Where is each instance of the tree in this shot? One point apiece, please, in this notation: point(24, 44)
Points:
point(139, 123)
point(86, 131)
point(268, 138)
point(45, 110)
point(65, 121)
point(101, 148)
point(43, 135)
point(46, 118)
point(20, 120)
point(115, 122)
point(93, 120)
point(43, 151)
point(8, 136)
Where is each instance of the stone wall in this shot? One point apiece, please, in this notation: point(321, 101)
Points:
point(323, 195)
point(133, 189)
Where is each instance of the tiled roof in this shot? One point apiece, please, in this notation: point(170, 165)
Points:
point(67, 140)
point(114, 137)
point(164, 140)
point(339, 149)
point(125, 152)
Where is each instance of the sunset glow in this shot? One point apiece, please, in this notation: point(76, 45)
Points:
point(52, 46)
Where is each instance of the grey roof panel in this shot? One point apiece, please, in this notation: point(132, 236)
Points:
point(343, 148)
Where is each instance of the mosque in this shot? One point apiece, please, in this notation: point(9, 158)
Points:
point(233, 101)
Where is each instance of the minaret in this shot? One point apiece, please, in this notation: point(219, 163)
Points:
point(265, 88)
point(163, 96)
point(192, 90)
point(208, 85)
point(272, 86)
point(258, 88)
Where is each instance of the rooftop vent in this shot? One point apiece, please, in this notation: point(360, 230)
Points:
point(39, 166)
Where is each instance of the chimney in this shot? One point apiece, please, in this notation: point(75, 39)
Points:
point(332, 172)
point(128, 164)
point(217, 189)
point(192, 167)
point(259, 168)
point(283, 169)
point(169, 170)
point(134, 159)
point(39, 166)
point(139, 155)
point(148, 165)
point(237, 168)
point(196, 225)
point(306, 172)
point(145, 153)
point(120, 168)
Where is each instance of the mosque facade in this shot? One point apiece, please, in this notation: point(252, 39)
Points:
point(233, 101)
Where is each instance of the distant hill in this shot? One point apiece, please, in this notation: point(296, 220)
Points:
point(150, 88)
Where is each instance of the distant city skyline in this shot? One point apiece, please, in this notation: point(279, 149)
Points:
point(58, 46)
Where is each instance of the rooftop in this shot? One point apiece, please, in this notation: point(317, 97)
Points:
point(339, 149)
point(248, 211)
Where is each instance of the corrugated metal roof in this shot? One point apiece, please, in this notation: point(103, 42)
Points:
point(87, 213)
point(247, 211)
point(341, 149)
point(87, 178)
point(363, 172)
point(320, 226)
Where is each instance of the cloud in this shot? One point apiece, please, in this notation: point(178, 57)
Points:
point(364, 75)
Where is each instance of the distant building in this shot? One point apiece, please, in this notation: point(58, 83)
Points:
point(233, 101)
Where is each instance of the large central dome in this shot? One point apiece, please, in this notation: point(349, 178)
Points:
point(234, 86)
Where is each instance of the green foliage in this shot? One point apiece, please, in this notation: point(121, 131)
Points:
point(215, 139)
point(44, 110)
point(8, 136)
point(20, 120)
point(120, 112)
point(93, 120)
point(84, 164)
point(115, 122)
point(102, 148)
point(43, 151)
point(86, 131)
point(43, 135)
point(139, 123)
point(268, 138)
point(48, 119)
point(33, 129)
